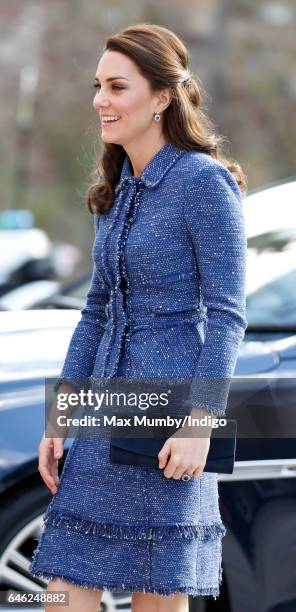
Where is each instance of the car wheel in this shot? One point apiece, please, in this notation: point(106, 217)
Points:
point(21, 516)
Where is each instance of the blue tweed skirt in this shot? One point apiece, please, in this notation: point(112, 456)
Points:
point(126, 528)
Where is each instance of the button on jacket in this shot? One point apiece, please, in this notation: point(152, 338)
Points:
point(169, 274)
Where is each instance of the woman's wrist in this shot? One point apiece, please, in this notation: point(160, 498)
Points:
point(203, 429)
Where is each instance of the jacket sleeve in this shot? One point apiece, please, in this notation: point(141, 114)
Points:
point(214, 216)
point(84, 343)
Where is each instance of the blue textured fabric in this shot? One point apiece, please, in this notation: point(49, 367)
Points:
point(181, 230)
point(167, 299)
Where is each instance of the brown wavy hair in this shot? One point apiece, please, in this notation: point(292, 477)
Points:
point(162, 58)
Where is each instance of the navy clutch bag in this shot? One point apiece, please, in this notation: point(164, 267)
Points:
point(143, 451)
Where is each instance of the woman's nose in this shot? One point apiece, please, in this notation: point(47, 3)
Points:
point(101, 99)
point(100, 103)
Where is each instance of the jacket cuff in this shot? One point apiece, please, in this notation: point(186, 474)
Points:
point(209, 394)
point(78, 384)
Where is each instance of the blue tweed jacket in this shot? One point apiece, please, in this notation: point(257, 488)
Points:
point(168, 284)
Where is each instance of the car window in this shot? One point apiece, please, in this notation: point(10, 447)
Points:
point(271, 279)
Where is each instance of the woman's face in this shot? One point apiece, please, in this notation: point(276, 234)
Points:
point(127, 96)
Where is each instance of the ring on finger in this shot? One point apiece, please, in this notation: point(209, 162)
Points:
point(186, 476)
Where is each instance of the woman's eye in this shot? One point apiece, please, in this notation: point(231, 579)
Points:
point(113, 86)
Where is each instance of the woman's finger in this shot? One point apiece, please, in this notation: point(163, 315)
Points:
point(172, 465)
point(45, 464)
point(46, 472)
point(47, 478)
point(58, 448)
point(55, 471)
point(198, 472)
point(183, 469)
point(58, 453)
point(163, 455)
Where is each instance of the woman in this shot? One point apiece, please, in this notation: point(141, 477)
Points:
point(167, 299)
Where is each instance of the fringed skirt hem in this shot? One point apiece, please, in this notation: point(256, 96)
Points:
point(130, 588)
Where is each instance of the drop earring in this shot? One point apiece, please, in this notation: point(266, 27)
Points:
point(157, 117)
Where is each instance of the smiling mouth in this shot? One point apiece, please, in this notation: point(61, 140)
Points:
point(104, 122)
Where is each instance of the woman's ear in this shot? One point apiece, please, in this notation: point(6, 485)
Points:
point(164, 98)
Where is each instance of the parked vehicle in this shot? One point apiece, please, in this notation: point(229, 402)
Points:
point(260, 494)
point(28, 256)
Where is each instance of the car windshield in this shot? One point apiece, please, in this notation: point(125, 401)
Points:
point(271, 279)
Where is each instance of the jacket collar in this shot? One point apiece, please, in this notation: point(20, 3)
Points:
point(154, 170)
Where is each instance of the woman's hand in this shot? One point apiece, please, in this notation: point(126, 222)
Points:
point(186, 454)
point(51, 447)
point(50, 451)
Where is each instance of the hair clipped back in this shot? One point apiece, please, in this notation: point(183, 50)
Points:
point(162, 58)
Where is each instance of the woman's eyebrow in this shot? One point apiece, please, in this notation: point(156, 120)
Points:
point(113, 78)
